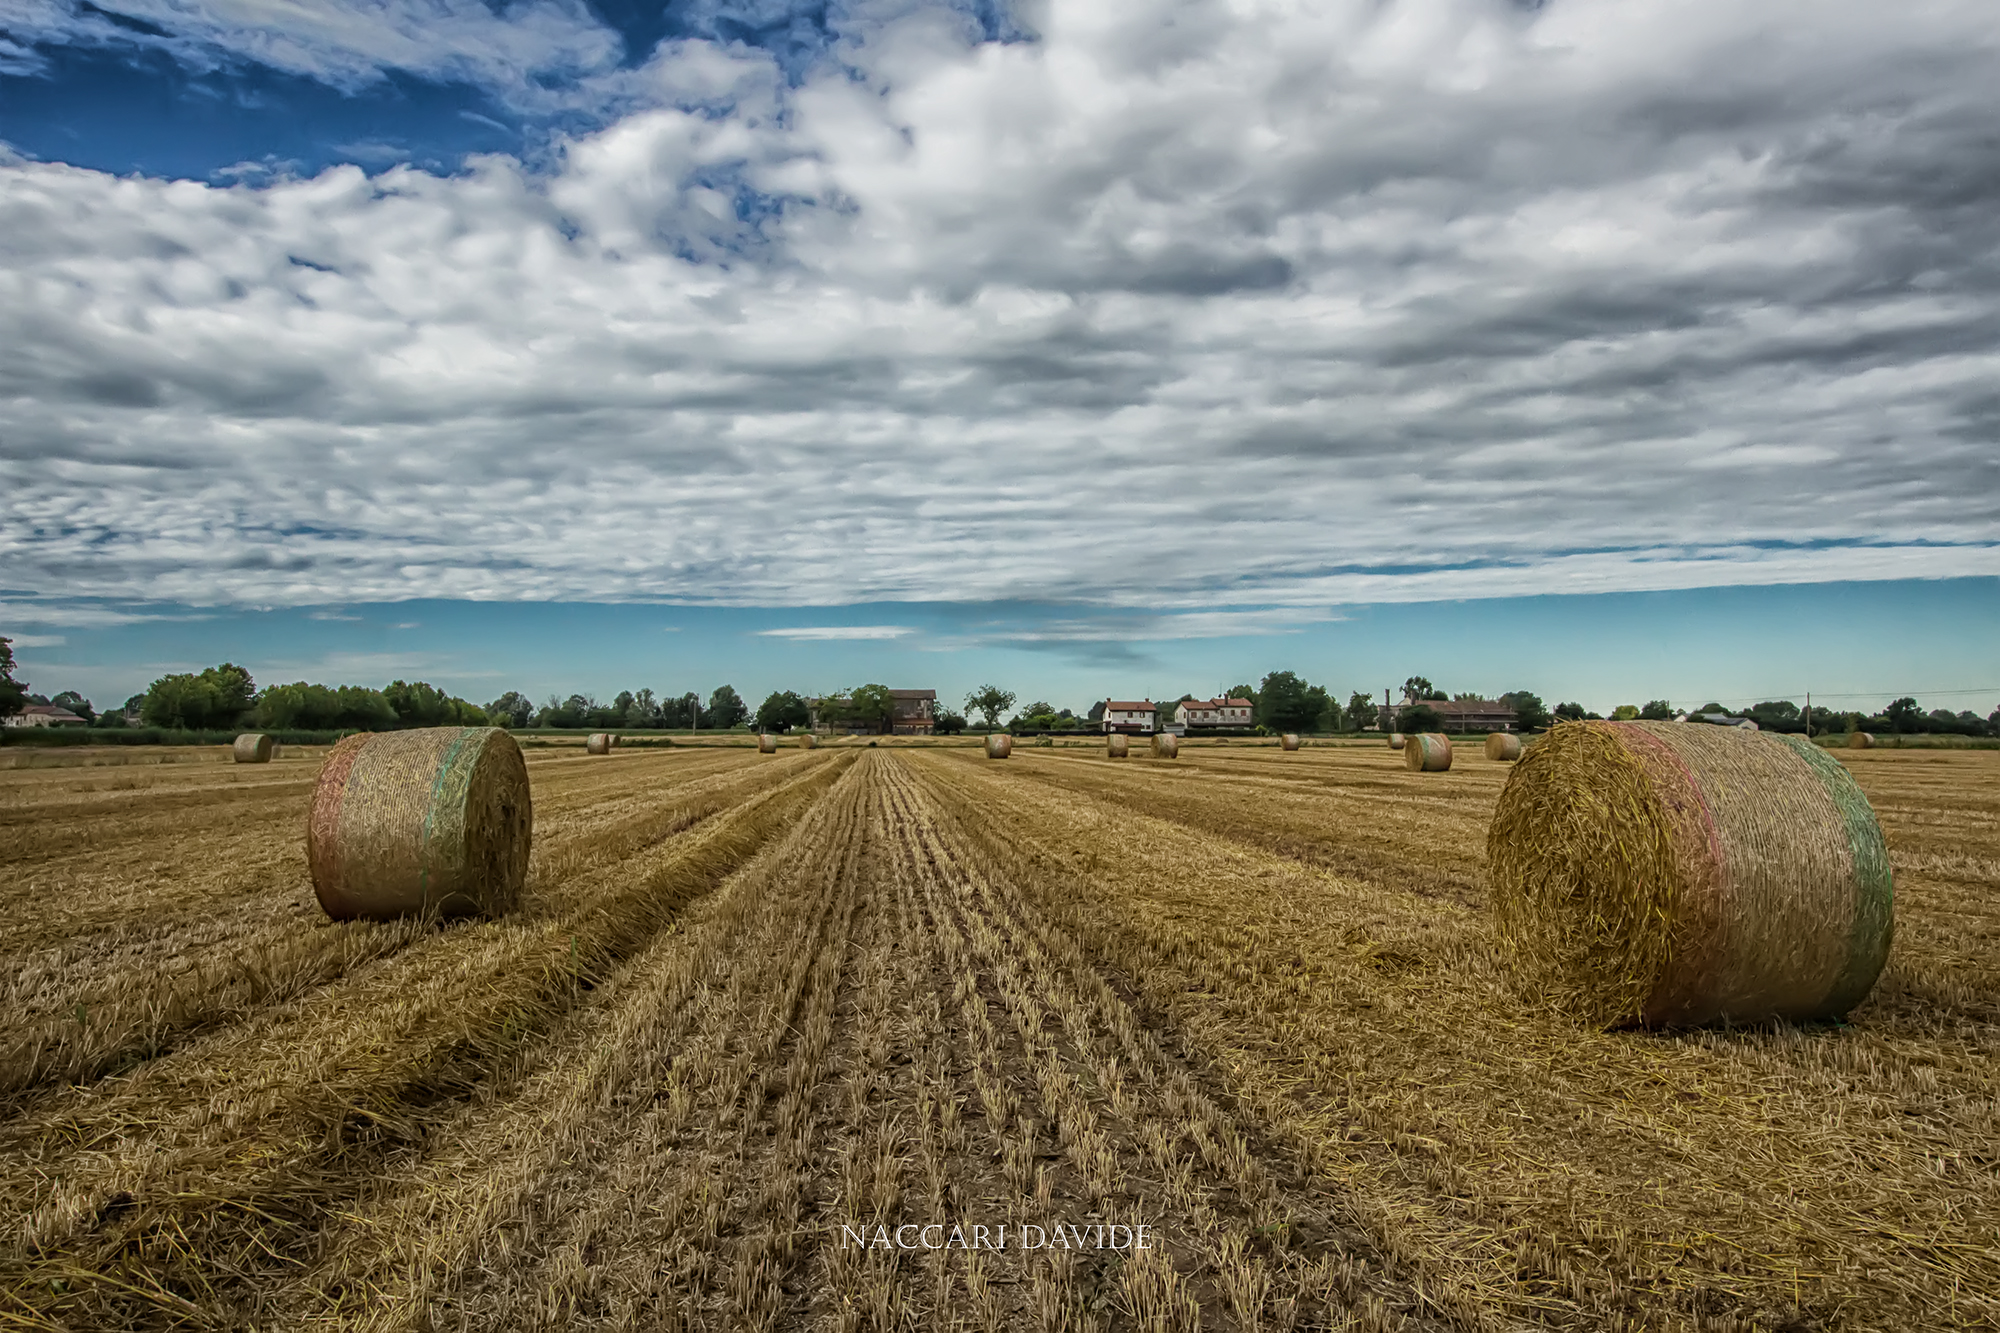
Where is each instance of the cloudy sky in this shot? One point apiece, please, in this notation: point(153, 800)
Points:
point(1097, 324)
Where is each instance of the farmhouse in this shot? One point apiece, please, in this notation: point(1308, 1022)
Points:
point(45, 715)
point(1215, 714)
point(1458, 714)
point(1132, 716)
point(913, 713)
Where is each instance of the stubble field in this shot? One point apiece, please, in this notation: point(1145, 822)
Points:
point(755, 1007)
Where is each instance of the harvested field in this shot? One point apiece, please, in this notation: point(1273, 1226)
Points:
point(752, 1008)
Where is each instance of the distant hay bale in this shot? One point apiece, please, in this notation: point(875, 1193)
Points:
point(1860, 740)
point(1166, 745)
point(406, 823)
point(999, 746)
point(253, 747)
point(1428, 753)
point(1665, 874)
point(767, 744)
point(807, 741)
point(1504, 746)
point(1288, 742)
point(1397, 740)
point(1117, 745)
point(600, 743)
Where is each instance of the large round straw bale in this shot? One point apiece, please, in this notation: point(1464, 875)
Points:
point(1667, 874)
point(600, 743)
point(999, 746)
point(1860, 740)
point(807, 741)
point(1428, 753)
point(1503, 745)
point(1288, 742)
point(253, 747)
point(767, 744)
point(1166, 745)
point(411, 822)
point(1117, 745)
point(1397, 740)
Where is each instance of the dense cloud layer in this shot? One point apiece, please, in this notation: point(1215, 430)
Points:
point(1195, 304)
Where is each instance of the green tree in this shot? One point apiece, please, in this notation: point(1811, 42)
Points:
point(13, 693)
point(1418, 688)
point(1530, 714)
point(1625, 713)
point(1419, 718)
point(989, 701)
point(76, 703)
point(1571, 712)
point(1361, 711)
point(1285, 702)
point(643, 711)
point(1904, 715)
point(725, 709)
point(781, 711)
point(948, 723)
point(216, 698)
point(512, 709)
point(422, 704)
point(1657, 710)
point(1097, 710)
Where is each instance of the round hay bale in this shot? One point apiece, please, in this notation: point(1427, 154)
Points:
point(1166, 745)
point(405, 823)
point(999, 746)
point(253, 747)
point(1397, 740)
point(1860, 740)
point(1504, 746)
point(1117, 745)
point(1288, 742)
point(808, 741)
point(600, 743)
point(1428, 753)
point(1663, 874)
point(767, 744)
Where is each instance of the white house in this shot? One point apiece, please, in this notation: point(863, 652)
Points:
point(1130, 715)
point(1195, 714)
point(44, 715)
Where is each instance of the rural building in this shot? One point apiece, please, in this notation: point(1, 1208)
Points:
point(45, 715)
point(916, 712)
point(1215, 714)
point(1132, 716)
point(1458, 714)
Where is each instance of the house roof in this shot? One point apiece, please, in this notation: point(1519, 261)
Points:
point(1129, 705)
point(913, 694)
point(53, 711)
point(1462, 706)
point(1217, 702)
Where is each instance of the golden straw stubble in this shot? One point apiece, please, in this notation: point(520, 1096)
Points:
point(431, 821)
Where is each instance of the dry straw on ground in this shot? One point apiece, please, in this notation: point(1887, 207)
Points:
point(1117, 746)
point(1673, 874)
point(600, 743)
point(436, 820)
point(1166, 745)
point(1288, 742)
point(1504, 746)
point(767, 744)
point(998, 746)
point(253, 747)
point(1428, 753)
point(1397, 740)
point(1860, 740)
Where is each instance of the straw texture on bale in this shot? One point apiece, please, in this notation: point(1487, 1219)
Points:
point(1166, 745)
point(1503, 745)
point(767, 744)
point(807, 741)
point(1117, 745)
point(1860, 740)
point(1397, 740)
point(253, 747)
point(1665, 874)
point(599, 743)
point(1288, 742)
point(408, 823)
point(999, 747)
point(1428, 753)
